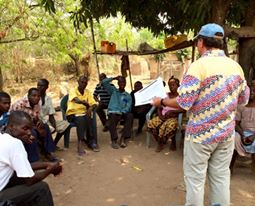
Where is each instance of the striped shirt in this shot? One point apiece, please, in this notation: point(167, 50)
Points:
point(210, 91)
point(102, 94)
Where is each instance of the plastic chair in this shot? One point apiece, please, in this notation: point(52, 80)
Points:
point(178, 134)
point(63, 106)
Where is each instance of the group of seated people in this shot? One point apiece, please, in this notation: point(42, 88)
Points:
point(24, 131)
point(120, 106)
point(27, 125)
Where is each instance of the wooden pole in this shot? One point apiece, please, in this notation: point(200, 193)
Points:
point(94, 45)
point(129, 72)
point(193, 53)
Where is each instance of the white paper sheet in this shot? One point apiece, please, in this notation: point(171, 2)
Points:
point(154, 89)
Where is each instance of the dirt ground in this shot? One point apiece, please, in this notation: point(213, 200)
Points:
point(134, 176)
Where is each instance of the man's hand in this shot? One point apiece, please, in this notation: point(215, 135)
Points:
point(41, 129)
point(89, 111)
point(156, 101)
point(116, 78)
point(85, 103)
point(55, 168)
point(39, 124)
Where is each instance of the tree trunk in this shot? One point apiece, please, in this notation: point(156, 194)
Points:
point(75, 58)
point(77, 66)
point(1, 80)
point(245, 34)
point(247, 57)
point(247, 45)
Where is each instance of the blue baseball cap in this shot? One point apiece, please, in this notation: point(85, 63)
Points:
point(210, 30)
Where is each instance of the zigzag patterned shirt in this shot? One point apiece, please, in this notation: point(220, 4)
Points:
point(211, 90)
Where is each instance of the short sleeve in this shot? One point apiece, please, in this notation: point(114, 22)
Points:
point(190, 87)
point(244, 95)
point(239, 113)
point(91, 99)
point(20, 163)
point(72, 94)
point(51, 108)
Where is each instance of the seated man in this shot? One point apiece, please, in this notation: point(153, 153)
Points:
point(30, 105)
point(47, 112)
point(20, 182)
point(5, 103)
point(245, 132)
point(119, 108)
point(103, 98)
point(79, 108)
point(139, 112)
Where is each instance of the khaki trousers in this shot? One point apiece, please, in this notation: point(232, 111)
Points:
point(214, 160)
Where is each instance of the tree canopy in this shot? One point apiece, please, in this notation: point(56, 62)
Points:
point(170, 16)
point(173, 16)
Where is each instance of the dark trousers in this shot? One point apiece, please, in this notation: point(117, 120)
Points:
point(113, 122)
point(141, 119)
point(66, 135)
point(38, 194)
point(83, 128)
point(47, 145)
point(101, 113)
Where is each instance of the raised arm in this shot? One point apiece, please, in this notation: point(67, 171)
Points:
point(107, 84)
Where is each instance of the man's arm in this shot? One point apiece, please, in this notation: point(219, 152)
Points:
point(157, 101)
point(52, 120)
point(107, 84)
point(46, 168)
point(238, 128)
point(78, 101)
point(95, 94)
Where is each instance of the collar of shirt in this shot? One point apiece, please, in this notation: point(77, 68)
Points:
point(214, 53)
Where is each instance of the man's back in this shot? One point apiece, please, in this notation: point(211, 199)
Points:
point(13, 157)
point(215, 84)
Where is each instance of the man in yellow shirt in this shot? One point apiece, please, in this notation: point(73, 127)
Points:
point(79, 108)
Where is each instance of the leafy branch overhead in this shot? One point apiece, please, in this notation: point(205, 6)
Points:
point(170, 16)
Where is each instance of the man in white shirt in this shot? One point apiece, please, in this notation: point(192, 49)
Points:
point(21, 182)
point(47, 112)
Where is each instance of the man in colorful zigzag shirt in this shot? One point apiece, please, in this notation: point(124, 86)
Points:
point(211, 90)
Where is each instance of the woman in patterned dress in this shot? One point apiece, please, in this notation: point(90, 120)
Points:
point(164, 125)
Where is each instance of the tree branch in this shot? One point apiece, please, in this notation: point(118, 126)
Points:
point(21, 39)
point(243, 32)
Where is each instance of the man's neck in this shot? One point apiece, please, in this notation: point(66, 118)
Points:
point(31, 105)
point(43, 94)
point(81, 90)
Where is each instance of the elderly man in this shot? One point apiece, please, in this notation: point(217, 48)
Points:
point(20, 182)
point(211, 90)
point(79, 108)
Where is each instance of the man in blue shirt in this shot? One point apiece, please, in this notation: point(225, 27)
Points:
point(119, 108)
